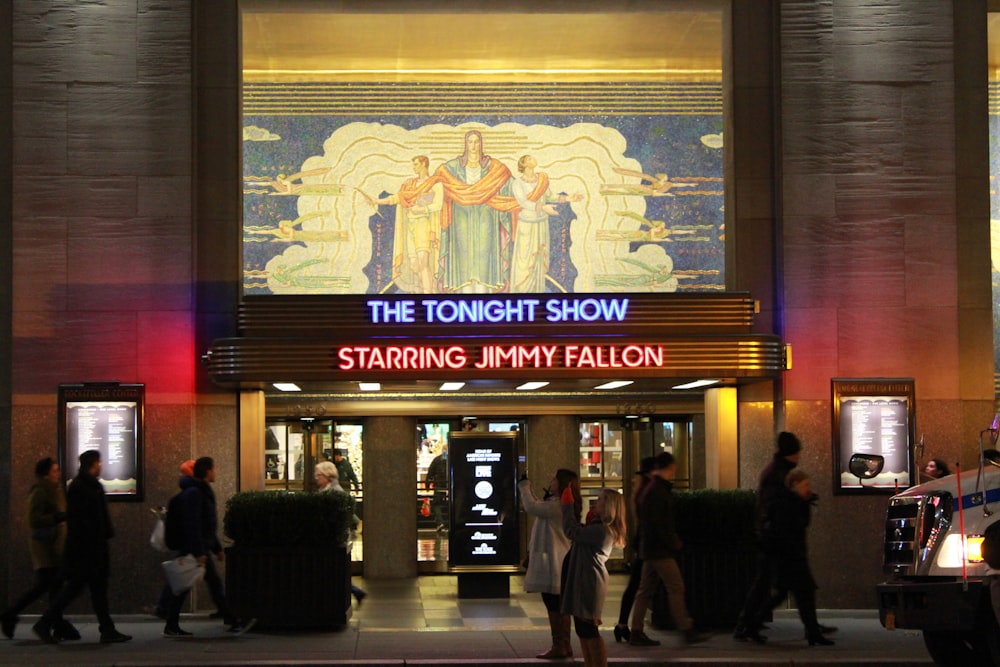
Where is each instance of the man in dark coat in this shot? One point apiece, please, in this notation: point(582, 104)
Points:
point(437, 479)
point(659, 546)
point(87, 559)
point(201, 540)
point(785, 540)
point(770, 487)
point(345, 471)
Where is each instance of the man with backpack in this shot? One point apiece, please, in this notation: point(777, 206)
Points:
point(191, 528)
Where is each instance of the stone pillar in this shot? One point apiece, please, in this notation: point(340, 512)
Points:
point(390, 484)
point(721, 439)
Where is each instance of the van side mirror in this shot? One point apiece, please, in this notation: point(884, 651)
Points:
point(866, 466)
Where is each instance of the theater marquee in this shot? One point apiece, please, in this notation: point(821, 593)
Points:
point(494, 336)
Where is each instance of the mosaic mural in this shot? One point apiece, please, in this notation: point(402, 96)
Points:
point(479, 188)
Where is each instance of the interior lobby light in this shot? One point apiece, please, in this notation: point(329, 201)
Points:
point(696, 384)
point(614, 384)
point(531, 386)
point(286, 386)
point(369, 386)
point(451, 386)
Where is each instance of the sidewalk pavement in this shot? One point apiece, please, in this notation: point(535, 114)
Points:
point(861, 641)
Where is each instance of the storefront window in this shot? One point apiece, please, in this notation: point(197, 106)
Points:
point(294, 447)
point(432, 492)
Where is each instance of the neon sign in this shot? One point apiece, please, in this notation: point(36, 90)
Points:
point(495, 311)
point(488, 357)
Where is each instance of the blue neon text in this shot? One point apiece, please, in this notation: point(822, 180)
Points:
point(497, 311)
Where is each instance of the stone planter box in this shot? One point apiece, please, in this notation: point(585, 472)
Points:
point(290, 587)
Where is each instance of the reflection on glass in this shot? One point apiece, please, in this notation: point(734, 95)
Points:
point(432, 491)
point(600, 450)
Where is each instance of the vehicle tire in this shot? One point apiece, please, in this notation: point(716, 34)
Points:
point(951, 649)
point(986, 640)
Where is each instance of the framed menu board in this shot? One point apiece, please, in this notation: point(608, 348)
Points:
point(873, 417)
point(484, 507)
point(106, 417)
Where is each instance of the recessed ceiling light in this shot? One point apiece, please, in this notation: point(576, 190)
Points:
point(614, 384)
point(531, 386)
point(286, 386)
point(696, 384)
point(451, 386)
point(369, 386)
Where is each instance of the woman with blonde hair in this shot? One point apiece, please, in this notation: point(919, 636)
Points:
point(585, 577)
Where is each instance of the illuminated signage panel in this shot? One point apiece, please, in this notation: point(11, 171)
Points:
point(484, 512)
point(107, 418)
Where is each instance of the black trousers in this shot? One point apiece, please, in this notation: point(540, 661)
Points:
point(755, 607)
point(96, 580)
point(46, 581)
point(215, 588)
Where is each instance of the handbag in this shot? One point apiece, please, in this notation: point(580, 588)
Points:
point(183, 573)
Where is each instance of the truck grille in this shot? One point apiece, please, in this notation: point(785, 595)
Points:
point(900, 533)
point(913, 526)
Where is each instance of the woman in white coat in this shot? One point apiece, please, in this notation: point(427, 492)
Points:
point(547, 549)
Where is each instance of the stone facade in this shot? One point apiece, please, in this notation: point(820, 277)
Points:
point(858, 215)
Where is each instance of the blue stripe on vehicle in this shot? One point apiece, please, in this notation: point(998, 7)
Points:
point(976, 499)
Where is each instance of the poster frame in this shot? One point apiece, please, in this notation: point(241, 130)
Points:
point(846, 388)
point(102, 393)
point(457, 441)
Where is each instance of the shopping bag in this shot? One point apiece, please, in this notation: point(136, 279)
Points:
point(183, 573)
point(156, 538)
point(425, 508)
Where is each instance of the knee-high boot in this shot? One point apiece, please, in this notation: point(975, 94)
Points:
point(559, 624)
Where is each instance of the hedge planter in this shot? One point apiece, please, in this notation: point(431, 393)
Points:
point(290, 587)
point(719, 558)
point(290, 565)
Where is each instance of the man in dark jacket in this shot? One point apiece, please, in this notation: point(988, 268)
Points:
point(87, 560)
point(770, 487)
point(659, 546)
point(345, 471)
point(201, 540)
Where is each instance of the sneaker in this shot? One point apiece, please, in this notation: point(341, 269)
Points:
point(176, 633)
point(640, 638)
point(43, 631)
point(239, 627)
point(114, 637)
point(7, 624)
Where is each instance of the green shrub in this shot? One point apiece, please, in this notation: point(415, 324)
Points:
point(279, 519)
point(712, 517)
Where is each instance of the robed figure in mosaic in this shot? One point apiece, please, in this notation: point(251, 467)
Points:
point(476, 221)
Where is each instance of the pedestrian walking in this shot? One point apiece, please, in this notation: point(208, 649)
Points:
point(622, 631)
point(785, 537)
point(328, 480)
point(770, 485)
point(585, 582)
point(659, 548)
point(47, 521)
point(87, 560)
point(200, 539)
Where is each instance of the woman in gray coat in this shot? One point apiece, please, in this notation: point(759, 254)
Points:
point(585, 577)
